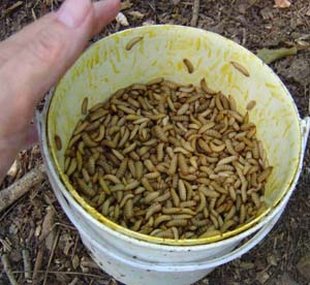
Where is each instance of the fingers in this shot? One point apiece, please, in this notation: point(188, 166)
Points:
point(105, 12)
point(48, 48)
point(10, 146)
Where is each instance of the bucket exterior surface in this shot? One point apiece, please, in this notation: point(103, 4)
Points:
point(107, 67)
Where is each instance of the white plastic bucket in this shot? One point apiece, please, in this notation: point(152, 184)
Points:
point(106, 67)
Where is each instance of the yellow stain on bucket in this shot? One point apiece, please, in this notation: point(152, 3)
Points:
point(160, 54)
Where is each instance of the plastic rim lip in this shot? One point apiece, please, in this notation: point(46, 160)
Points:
point(189, 242)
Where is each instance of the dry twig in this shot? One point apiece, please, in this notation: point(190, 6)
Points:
point(45, 234)
point(11, 194)
point(196, 7)
point(8, 269)
point(12, 8)
point(37, 266)
point(51, 256)
point(27, 263)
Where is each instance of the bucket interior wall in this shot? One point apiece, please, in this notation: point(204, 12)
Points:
point(107, 66)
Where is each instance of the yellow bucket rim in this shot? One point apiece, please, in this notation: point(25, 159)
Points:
point(166, 241)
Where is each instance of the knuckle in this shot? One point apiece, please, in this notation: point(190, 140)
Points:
point(46, 48)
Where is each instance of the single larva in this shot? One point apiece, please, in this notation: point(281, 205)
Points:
point(152, 175)
point(160, 152)
point(72, 167)
point(177, 223)
point(182, 190)
point(159, 133)
point(139, 169)
point(128, 209)
point(58, 142)
point(84, 106)
point(242, 214)
point(132, 185)
point(214, 221)
point(202, 204)
point(182, 164)
point(189, 66)
point(114, 179)
point(163, 197)
point(264, 175)
point(118, 187)
point(146, 184)
point(165, 234)
point(173, 165)
point(227, 225)
point(256, 200)
point(205, 88)
point(88, 141)
point(133, 42)
point(122, 168)
point(175, 198)
point(100, 113)
point(240, 68)
point(230, 215)
point(217, 148)
point(104, 185)
point(227, 160)
point(86, 189)
point(152, 210)
point(208, 192)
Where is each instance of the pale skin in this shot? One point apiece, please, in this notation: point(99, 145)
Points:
point(34, 59)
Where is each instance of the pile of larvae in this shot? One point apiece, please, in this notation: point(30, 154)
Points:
point(169, 160)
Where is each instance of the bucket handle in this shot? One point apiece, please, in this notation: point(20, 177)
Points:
point(305, 129)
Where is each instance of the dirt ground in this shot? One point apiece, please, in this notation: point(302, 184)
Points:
point(282, 258)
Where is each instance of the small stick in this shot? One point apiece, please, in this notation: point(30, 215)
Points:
point(51, 256)
point(8, 269)
point(67, 273)
point(11, 8)
point(37, 265)
point(46, 225)
point(74, 281)
point(196, 8)
point(27, 264)
point(9, 195)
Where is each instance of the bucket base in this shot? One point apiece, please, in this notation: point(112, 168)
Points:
point(130, 274)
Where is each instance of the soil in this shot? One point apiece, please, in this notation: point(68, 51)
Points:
point(282, 258)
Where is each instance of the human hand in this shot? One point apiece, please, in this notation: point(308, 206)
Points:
point(32, 61)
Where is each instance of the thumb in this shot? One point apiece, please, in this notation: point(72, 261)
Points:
point(47, 49)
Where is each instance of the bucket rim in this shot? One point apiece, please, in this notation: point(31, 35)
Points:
point(93, 213)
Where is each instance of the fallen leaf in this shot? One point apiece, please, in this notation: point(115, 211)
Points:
point(272, 260)
point(126, 5)
point(122, 19)
point(262, 277)
point(47, 233)
point(287, 280)
point(75, 262)
point(14, 169)
point(282, 3)
point(303, 266)
point(271, 55)
point(148, 22)
point(175, 2)
point(246, 265)
point(136, 15)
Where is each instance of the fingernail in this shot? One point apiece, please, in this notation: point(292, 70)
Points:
point(73, 12)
